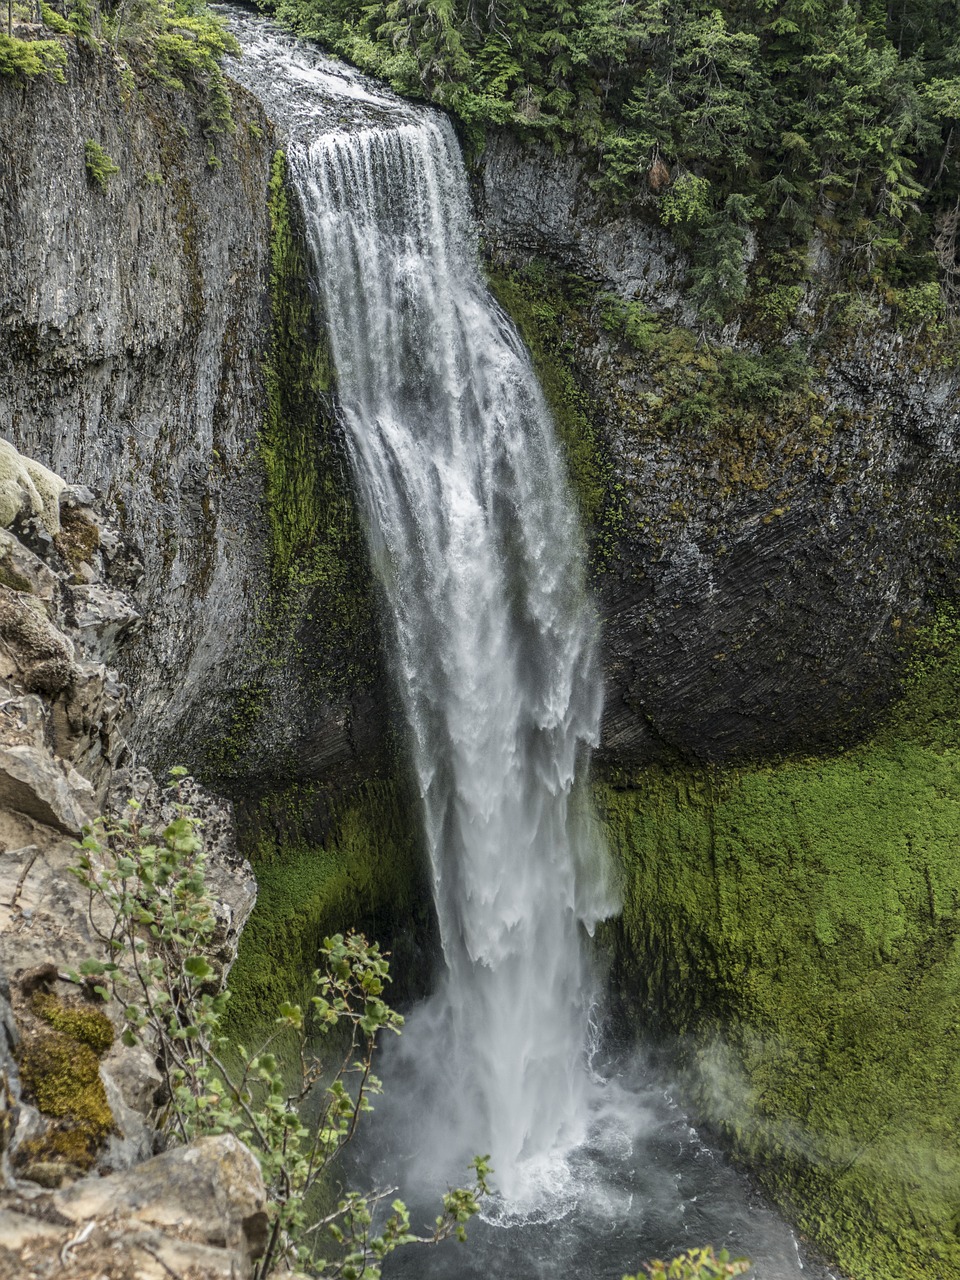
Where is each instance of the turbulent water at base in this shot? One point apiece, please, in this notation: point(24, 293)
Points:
point(474, 538)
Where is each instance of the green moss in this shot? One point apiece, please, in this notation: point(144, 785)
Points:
point(81, 1022)
point(548, 311)
point(365, 872)
point(61, 1076)
point(100, 165)
point(297, 376)
point(745, 417)
point(9, 577)
point(799, 925)
point(69, 1147)
point(317, 618)
point(78, 539)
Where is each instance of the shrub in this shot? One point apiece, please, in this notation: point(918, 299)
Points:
point(100, 164)
point(149, 904)
point(695, 1264)
point(30, 58)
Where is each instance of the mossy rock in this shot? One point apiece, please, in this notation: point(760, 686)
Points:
point(61, 1076)
point(365, 873)
point(81, 1021)
point(549, 310)
point(797, 925)
point(316, 621)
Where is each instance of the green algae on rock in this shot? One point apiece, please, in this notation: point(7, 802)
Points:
point(324, 867)
point(797, 925)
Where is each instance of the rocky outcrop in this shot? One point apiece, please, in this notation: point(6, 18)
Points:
point(534, 201)
point(196, 1211)
point(766, 561)
point(135, 319)
point(73, 1097)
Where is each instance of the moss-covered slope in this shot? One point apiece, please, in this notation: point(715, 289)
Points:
point(324, 869)
point(798, 925)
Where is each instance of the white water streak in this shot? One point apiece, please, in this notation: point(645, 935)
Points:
point(476, 543)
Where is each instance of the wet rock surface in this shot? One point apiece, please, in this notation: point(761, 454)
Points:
point(134, 323)
point(765, 576)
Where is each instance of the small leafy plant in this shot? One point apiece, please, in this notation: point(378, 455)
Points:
point(695, 1264)
point(149, 904)
point(100, 164)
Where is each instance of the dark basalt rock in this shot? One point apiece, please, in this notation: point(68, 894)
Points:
point(764, 582)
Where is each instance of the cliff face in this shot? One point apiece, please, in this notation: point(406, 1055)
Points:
point(768, 536)
point(762, 567)
point(132, 318)
point(135, 320)
point(775, 554)
point(772, 532)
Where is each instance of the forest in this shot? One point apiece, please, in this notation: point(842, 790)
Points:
point(744, 125)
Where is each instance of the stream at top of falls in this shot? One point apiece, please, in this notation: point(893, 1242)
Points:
point(474, 539)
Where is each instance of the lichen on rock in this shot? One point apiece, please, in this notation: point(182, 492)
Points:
point(28, 489)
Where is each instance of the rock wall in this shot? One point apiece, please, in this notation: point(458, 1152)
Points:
point(132, 321)
point(136, 319)
point(770, 536)
point(775, 555)
point(74, 1099)
point(792, 929)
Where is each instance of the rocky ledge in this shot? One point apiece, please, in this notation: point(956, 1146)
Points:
point(77, 1107)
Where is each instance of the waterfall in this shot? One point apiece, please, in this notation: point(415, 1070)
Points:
point(475, 541)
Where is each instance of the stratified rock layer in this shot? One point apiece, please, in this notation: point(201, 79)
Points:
point(765, 561)
point(197, 1211)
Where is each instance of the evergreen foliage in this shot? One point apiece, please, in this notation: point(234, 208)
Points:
point(729, 118)
point(178, 42)
point(31, 58)
point(99, 164)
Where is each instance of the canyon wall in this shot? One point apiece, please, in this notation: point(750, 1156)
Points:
point(774, 548)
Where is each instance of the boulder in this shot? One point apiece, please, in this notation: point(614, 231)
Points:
point(36, 783)
point(197, 1211)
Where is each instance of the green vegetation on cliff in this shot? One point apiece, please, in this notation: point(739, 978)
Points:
point(318, 613)
point(364, 872)
point(798, 926)
point(727, 118)
point(546, 309)
point(31, 58)
point(316, 539)
point(60, 1069)
point(179, 43)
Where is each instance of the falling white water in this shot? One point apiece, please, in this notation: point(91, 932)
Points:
point(475, 540)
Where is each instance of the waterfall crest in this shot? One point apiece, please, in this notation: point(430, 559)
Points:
point(475, 541)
